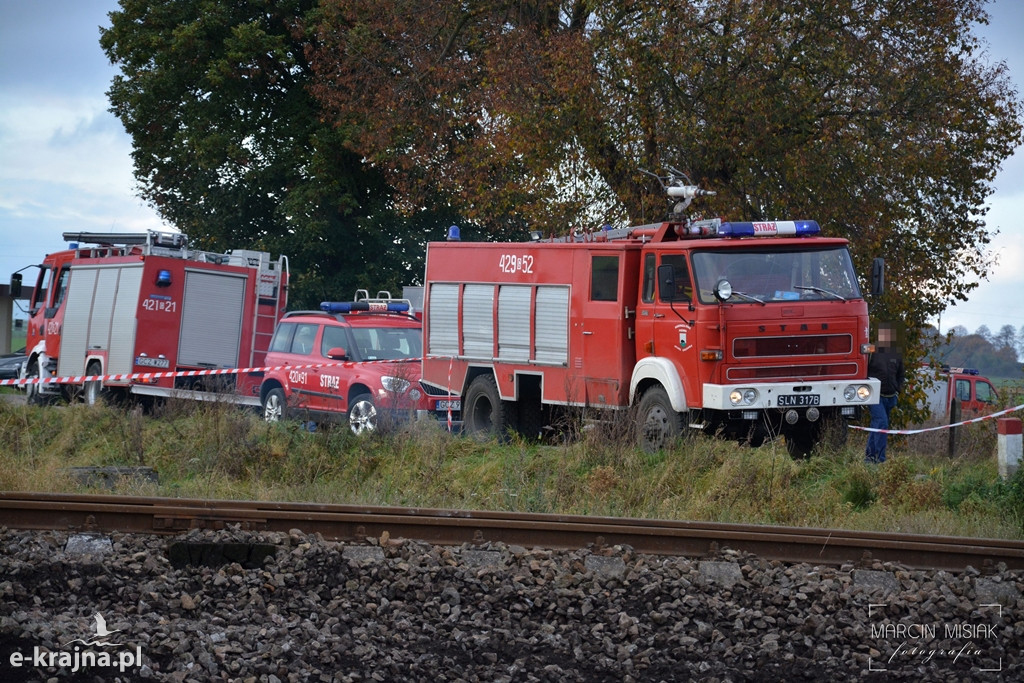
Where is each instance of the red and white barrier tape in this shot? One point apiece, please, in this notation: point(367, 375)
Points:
point(932, 429)
point(81, 379)
point(451, 362)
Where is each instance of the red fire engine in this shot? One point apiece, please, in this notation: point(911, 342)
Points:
point(145, 302)
point(744, 329)
point(976, 394)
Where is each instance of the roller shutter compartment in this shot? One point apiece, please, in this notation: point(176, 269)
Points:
point(211, 319)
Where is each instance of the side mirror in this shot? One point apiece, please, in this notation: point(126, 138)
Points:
point(877, 276)
point(666, 283)
point(337, 353)
point(16, 286)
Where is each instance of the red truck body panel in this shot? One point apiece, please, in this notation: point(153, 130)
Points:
point(116, 309)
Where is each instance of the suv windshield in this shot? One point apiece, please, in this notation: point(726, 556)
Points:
point(815, 274)
point(387, 343)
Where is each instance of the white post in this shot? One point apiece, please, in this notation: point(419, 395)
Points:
point(1010, 446)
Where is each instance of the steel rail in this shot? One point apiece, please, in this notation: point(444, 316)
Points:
point(108, 513)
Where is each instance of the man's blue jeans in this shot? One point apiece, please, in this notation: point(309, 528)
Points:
point(879, 420)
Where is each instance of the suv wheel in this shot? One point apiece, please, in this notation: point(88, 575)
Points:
point(362, 414)
point(274, 405)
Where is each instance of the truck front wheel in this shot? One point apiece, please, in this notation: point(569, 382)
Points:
point(658, 423)
point(34, 392)
point(485, 415)
point(801, 440)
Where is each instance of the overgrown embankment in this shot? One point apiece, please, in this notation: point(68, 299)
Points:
point(218, 451)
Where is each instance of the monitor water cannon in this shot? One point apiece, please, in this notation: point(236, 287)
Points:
point(678, 186)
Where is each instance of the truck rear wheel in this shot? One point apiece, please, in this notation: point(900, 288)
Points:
point(274, 406)
point(658, 423)
point(484, 414)
point(362, 415)
point(94, 392)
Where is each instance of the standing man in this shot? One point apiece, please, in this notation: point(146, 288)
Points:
point(886, 365)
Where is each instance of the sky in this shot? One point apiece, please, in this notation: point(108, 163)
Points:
point(65, 161)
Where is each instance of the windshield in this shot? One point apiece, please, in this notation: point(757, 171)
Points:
point(773, 275)
point(388, 343)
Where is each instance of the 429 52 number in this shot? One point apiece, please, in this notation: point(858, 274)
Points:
point(510, 263)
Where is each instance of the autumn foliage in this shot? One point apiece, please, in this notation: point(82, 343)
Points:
point(882, 120)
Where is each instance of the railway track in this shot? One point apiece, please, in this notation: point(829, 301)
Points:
point(354, 523)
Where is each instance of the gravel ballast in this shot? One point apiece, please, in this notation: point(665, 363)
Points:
point(270, 607)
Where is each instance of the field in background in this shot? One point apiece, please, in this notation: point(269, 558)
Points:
point(18, 339)
point(218, 451)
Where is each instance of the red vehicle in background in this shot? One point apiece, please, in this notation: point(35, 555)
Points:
point(122, 304)
point(357, 359)
point(976, 394)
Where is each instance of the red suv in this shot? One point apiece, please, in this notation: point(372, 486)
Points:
point(359, 359)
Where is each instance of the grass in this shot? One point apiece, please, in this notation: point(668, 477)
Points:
point(219, 451)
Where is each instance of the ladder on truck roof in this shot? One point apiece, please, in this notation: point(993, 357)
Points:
point(151, 239)
point(268, 284)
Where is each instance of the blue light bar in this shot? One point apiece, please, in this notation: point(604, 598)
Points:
point(356, 306)
point(769, 229)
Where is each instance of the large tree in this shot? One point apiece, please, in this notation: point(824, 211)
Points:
point(880, 118)
point(230, 147)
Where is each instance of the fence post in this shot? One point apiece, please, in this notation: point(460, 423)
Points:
point(1010, 445)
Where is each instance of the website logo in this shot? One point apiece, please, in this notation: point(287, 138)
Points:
point(93, 653)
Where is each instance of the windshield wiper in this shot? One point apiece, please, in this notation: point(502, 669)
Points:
point(747, 296)
point(819, 290)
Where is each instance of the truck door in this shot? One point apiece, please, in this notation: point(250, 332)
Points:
point(607, 332)
point(977, 396)
point(666, 320)
point(47, 303)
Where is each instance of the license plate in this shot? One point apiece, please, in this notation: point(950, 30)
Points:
point(799, 400)
point(445, 404)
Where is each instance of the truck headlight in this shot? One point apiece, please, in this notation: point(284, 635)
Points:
point(743, 397)
point(857, 392)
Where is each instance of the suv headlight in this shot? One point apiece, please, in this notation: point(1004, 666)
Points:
point(395, 385)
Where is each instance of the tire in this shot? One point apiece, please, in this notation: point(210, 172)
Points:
point(658, 424)
point(275, 406)
point(362, 415)
point(800, 441)
point(94, 392)
point(834, 431)
point(484, 414)
point(34, 392)
point(530, 419)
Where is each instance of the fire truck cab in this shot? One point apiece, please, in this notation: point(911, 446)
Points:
point(116, 305)
point(745, 329)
